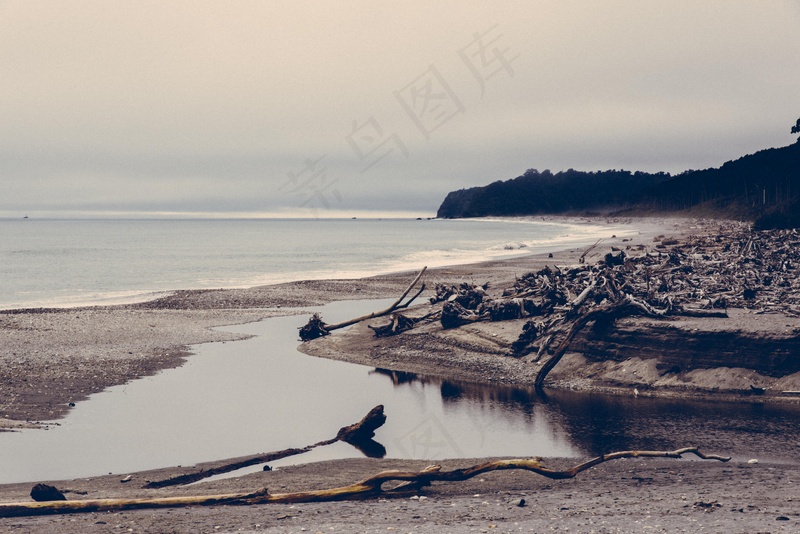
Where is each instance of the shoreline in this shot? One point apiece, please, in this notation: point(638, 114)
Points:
point(132, 297)
point(75, 352)
point(631, 495)
point(62, 349)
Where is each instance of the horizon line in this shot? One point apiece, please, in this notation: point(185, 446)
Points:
point(177, 215)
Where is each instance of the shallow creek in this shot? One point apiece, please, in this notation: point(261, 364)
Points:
point(261, 394)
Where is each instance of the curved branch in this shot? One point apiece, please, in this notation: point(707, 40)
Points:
point(369, 488)
point(387, 311)
point(316, 327)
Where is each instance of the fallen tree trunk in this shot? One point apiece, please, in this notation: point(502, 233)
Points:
point(366, 489)
point(318, 328)
point(358, 435)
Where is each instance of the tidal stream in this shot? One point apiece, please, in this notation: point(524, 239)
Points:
point(261, 394)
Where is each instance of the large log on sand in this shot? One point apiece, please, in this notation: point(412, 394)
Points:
point(370, 488)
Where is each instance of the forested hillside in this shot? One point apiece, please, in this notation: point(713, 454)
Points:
point(763, 187)
point(544, 192)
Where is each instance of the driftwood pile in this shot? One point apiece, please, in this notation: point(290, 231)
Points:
point(700, 276)
point(742, 269)
point(466, 294)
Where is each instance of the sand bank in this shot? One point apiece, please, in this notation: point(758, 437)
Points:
point(51, 358)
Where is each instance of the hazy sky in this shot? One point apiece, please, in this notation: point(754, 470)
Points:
point(346, 107)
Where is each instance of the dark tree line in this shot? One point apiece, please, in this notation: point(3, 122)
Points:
point(544, 192)
point(763, 187)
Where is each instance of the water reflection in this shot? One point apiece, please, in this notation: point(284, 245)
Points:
point(595, 424)
point(261, 395)
point(519, 399)
point(398, 378)
point(370, 448)
point(601, 423)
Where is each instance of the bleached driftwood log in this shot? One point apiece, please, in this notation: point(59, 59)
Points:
point(370, 488)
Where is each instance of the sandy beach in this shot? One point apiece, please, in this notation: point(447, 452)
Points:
point(51, 358)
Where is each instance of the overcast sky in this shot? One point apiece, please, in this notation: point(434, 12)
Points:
point(350, 107)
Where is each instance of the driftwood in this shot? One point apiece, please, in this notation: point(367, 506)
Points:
point(359, 435)
point(466, 294)
point(582, 259)
point(370, 488)
point(691, 277)
point(608, 312)
point(316, 327)
point(398, 323)
point(698, 277)
point(454, 315)
point(43, 492)
point(605, 297)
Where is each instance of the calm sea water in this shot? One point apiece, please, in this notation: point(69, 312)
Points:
point(76, 262)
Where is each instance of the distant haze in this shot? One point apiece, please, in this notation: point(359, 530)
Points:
point(285, 108)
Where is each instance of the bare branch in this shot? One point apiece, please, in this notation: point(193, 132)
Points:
point(316, 327)
point(366, 489)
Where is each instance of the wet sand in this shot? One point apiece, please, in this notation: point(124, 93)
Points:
point(49, 358)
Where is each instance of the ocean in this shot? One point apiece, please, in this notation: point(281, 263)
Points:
point(63, 263)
